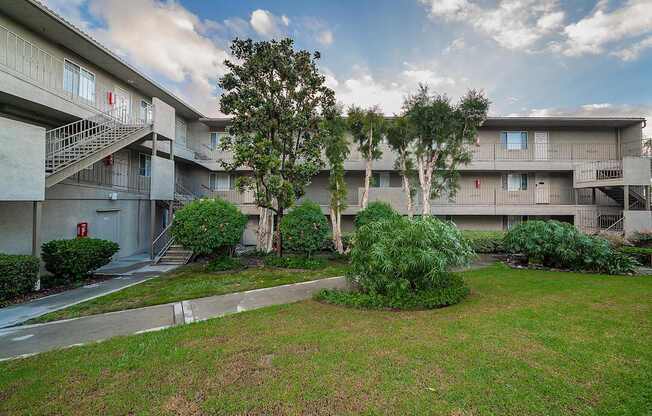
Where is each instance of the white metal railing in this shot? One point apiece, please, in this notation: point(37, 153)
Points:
point(67, 144)
point(162, 242)
point(232, 195)
point(35, 65)
point(599, 170)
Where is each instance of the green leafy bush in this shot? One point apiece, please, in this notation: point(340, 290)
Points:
point(224, 263)
point(453, 293)
point(304, 229)
point(404, 263)
point(18, 275)
point(375, 211)
point(73, 260)
point(485, 241)
point(208, 226)
point(561, 245)
point(642, 239)
point(295, 262)
point(641, 254)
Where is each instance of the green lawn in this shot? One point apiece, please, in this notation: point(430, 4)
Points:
point(191, 282)
point(524, 343)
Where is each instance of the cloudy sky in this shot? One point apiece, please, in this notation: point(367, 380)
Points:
point(531, 57)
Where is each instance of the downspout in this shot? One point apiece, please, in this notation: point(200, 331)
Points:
point(619, 144)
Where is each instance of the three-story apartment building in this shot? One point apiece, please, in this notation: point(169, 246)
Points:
point(89, 145)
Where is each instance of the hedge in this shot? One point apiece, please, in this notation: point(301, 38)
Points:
point(18, 275)
point(73, 260)
point(485, 241)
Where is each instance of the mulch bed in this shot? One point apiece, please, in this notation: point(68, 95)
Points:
point(53, 290)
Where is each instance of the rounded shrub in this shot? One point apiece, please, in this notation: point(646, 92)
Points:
point(304, 229)
point(561, 245)
point(208, 226)
point(405, 264)
point(73, 260)
point(375, 211)
point(18, 275)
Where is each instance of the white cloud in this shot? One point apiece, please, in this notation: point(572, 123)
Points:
point(265, 23)
point(593, 33)
point(633, 52)
point(362, 89)
point(513, 24)
point(325, 37)
point(455, 45)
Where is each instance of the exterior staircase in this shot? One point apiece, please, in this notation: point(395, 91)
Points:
point(617, 193)
point(175, 254)
point(78, 145)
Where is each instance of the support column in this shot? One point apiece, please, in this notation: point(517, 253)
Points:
point(37, 208)
point(592, 196)
point(170, 213)
point(152, 203)
point(647, 197)
point(626, 198)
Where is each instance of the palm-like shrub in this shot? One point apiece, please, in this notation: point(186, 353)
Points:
point(375, 211)
point(208, 226)
point(557, 244)
point(305, 228)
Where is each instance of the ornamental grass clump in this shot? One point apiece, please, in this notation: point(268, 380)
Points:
point(405, 263)
point(561, 245)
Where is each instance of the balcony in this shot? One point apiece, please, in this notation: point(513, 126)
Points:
point(34, 65)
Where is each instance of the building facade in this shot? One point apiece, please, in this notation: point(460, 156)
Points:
point(88, 144)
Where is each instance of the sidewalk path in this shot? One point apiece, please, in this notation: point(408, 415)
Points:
point(32, 339)
point(17, 314)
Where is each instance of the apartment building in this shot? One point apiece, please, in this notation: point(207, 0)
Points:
point(89, 145)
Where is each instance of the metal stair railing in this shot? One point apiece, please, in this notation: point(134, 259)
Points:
point(72, 142)
point(162, 242)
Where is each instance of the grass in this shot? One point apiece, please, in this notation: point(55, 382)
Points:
point(191, 282)
point(524, 343)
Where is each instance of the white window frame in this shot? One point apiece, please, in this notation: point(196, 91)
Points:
point(217, 135)
point(513, 178)
point(383, 180)
point(214, 181)
point(78, 93)
point(141, 110)
point(147, 172)
point(522, 145)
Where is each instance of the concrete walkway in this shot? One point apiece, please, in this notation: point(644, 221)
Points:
point(17, 314)
point(32, 339)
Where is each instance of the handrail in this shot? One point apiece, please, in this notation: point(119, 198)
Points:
point(614, 225)
point(164, 240)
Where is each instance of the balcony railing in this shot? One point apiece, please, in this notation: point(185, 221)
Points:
point(122, 174)
point(499, 196)
point(599, 171)
point(232, 195)
point(35, 65)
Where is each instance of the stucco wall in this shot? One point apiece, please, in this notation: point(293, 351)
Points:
point(22, 158)
point(631, 139)
point(162, 179)
point(163, 119)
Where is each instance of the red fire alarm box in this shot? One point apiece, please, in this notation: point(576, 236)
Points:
point(109, 97)
point(82, 229)
point(108, 161)
point(477, 183)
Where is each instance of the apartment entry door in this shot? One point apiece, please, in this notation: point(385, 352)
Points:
point(123, 104)
point(542, 189)
point(108, 225)
point(541, 145)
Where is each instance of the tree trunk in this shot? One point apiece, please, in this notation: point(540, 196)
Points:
point(406, 188)
point(279, 237)
point(367, 173)
point(337, 230)
point(425, 181)
point(265, 230)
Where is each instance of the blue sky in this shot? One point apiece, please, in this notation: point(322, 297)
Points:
point(536, 57)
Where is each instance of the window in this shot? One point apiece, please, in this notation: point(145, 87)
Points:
point(145, 111)
point(220, 181)
point(144, 165)
point(215, 139)
point(514, 140)
point(180, 132)
point(78, 81)
point(380, 180)
point(516, 182)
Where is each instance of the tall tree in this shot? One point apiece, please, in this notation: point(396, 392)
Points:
point(400, 137)
point(275, 96)
point(336, 149)
point(367, 128)
point(444, 135)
